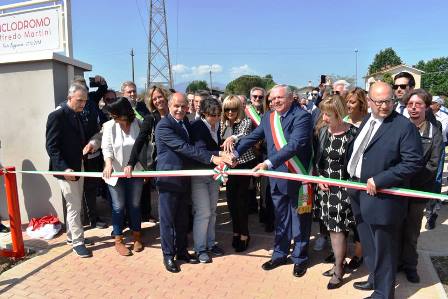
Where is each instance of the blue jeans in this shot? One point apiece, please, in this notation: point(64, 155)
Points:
point(126, 193)
point(204, 194)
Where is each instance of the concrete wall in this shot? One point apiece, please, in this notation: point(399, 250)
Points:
point(29, 91)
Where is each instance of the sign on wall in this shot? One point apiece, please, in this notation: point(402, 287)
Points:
point(31, 31)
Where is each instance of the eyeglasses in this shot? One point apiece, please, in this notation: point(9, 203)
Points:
point(416, 105)
point(230, 109)
point(402, 86)
point(257, 97)
point(380, 103)
point(213, 115)
point(276, 98)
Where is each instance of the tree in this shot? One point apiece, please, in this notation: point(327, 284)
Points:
point(387, 77)
point(242, 85)
point(196, 85)
point(435, 76)
point(384, 59)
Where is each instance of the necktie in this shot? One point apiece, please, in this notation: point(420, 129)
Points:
point(181, 123)
point(401, 109)
point(361, 148)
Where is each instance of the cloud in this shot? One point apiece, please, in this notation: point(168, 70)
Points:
point(237, 71)
point(180, 69)
point(195, 71)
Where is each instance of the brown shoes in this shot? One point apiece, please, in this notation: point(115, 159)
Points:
point(138, 245)
point(120, 247)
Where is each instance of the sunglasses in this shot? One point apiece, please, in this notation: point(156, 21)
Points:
point(230, 109)
point(213, 115)
point(257, 97)
point(402, 86)
point(108, 100)
point(116, 117)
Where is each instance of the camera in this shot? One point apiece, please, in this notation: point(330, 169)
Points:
point(92, 82)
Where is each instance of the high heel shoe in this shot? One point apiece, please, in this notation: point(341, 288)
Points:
point(243, 244)
point(335, 285)
point(235, 241)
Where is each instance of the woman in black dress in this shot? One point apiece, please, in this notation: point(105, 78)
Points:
point(332, 137)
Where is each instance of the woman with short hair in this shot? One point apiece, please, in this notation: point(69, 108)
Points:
point(119, 135)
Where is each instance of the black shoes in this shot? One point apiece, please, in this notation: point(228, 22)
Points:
point(431, 222)
point(272, 264)
point(170, 265)
point(363, 286)
point(188, 258)
point(412, 276)
point(354, 263)
point(235, 241)
point(242, 245)
point(335, 285)
point(299, 270)
point(4, 228)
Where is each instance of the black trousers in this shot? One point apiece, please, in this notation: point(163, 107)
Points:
point(91, 186)
point(380, 248)
point(410, 233)
point(173, 215)
point(145, 202)
point(237, 194)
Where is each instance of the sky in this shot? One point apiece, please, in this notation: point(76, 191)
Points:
point(293, 40)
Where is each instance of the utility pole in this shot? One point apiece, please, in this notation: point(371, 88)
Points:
point(159, 65)
point(211, 89)
point(356, 67)
point(132, 59)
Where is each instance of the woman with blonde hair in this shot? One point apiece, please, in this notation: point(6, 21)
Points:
point(331, 140)
point(356, 106)
point(234, 125)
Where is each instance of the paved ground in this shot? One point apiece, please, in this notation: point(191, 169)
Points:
point(57, 273)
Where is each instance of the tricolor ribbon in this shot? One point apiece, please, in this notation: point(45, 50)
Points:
point(221, 173)
point(252, 113)
point(272, 174)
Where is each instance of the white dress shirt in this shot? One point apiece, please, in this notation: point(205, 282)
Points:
point(213, 132)
point(359, 139)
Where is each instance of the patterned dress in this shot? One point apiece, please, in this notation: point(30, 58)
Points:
point(335, 210)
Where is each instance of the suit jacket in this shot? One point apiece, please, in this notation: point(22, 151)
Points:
point(297, 128)
point(174, 150)
point(64, 140)
point(202, 139)
point(392, 157)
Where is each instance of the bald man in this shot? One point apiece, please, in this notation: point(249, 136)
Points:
point(386, 153)
point(174, 152)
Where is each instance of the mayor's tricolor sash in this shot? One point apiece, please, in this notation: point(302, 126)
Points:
point(294, 165)
point(252, 113)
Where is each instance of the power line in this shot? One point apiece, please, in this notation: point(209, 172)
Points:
point(141, 18)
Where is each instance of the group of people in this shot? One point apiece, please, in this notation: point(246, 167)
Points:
point(339, 133)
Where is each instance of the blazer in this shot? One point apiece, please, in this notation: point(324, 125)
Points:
point(297, 128)
point(202, 139)
point(174, 150)
point(112, 146)
point(392, 157)
point(64, 140)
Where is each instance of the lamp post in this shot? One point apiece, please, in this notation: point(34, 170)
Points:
point(211, 89)
point(356, 67)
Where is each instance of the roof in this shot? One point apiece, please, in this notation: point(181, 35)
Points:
point(393, 68)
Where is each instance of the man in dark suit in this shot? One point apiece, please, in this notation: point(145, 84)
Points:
point(173, 152)
point(386, 153)
point(65, 142)
point(297, 129)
